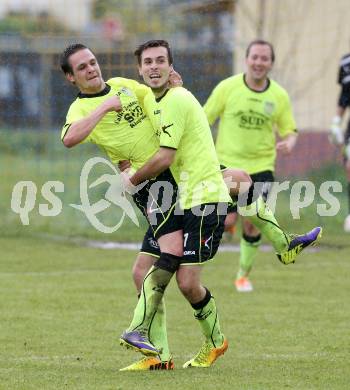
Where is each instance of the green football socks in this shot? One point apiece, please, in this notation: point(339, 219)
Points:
point(208, 319)
point(158, 332)
point(260, 215)
point(248, 253)
point(152, 291)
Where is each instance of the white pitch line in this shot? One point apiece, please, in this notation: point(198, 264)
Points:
point(110, 245)
point(137, 246)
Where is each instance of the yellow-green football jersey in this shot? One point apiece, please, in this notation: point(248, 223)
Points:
point(124, 135)
point(181, 124)
point(248, 123)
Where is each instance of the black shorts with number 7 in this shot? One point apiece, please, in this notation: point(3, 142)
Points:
point(202, 227)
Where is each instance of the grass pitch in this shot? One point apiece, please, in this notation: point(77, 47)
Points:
point(63, 308)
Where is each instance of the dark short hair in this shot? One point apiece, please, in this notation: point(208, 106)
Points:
point(153, 43)
point(68, 51)
point(261, 42)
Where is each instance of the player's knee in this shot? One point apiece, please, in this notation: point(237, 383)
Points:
point(138, 275)
point(138, 279)
point(140, 268)
point(168, 262)
point(249, 229)
point(189, 287)
point(237, 180)
point(230, 221)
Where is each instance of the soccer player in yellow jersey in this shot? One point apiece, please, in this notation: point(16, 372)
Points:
point(194, 229)
point(250, 107)
point(187, 155)
point(110, 115)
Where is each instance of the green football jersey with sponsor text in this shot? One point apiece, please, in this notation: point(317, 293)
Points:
point(248, 123)
point(124, 135)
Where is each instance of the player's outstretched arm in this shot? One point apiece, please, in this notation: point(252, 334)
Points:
point(80, 129)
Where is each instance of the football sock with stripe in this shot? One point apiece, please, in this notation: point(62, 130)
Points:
point(206, 313)
point(152, 291)
point(260, 215)
point(248, 252)
point(158, 333)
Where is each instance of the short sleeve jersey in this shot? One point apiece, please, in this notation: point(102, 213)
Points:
point(124, 135)
point(248, 120)
point(181, 124)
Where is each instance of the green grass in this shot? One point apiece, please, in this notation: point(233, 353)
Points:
point(63, 307)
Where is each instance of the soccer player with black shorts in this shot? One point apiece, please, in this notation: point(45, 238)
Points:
point(336, 135)
point(111, 115)
point(250, 106)
point(187, 150)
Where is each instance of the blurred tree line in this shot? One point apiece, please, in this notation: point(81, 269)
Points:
point(23, 23)
point(125, 18)
point(138, 17)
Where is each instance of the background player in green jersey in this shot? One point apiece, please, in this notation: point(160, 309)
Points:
point(187, 149)
point(250, 107)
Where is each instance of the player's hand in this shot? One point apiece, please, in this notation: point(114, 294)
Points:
point(335, 135)
point(124, 164)
point(128, 186)
point(286, 146)
point(175, 80)
point(113, 103)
